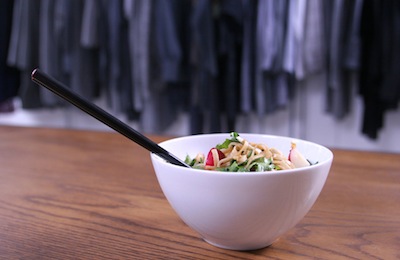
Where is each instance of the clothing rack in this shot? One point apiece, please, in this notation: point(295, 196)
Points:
point(216, 61)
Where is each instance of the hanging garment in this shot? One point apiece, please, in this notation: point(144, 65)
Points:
point(294, 37)
point(80, 64)
point(138, 15)
point(9, 76)
point(114, 56)
point(248, 59)
point(371, 66)
point(65, 59)
point(230, 40)
point(217, 36)
point(314, 49)
point(23, 49)
point(344, 18)
point(266, 47)
point(168, 60)
point(274, 42)
point(282, 80)
point(352, 46)
point(205, 68)
point(379, 81)
point(299, 34)
point(390, 92)
point(49, 48)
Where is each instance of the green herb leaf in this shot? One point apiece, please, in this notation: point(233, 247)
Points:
point(261, 165)
point(227, 141)
point(189, 161)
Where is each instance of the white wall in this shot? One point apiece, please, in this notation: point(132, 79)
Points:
point(346, 133)
point(305, 118)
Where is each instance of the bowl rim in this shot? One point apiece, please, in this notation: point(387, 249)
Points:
point(280, 172)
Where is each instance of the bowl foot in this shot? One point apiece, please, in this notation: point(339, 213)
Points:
point(238, 248)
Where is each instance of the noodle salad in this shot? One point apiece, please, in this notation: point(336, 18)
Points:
point(236, 154)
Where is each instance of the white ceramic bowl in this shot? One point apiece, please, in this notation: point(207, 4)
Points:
point(241, 211)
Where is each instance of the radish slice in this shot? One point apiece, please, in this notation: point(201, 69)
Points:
point(297, 158)
point(210, 157)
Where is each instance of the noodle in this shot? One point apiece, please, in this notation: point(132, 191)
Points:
point(237, 154)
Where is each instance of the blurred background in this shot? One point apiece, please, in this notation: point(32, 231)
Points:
point(326, 71)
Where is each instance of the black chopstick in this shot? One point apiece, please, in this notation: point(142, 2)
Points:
point(61, 90)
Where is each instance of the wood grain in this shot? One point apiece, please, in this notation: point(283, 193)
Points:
point(68, 194)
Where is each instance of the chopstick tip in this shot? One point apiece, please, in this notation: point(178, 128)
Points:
point(34, 72)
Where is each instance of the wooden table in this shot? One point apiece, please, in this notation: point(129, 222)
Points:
point(68, 194)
